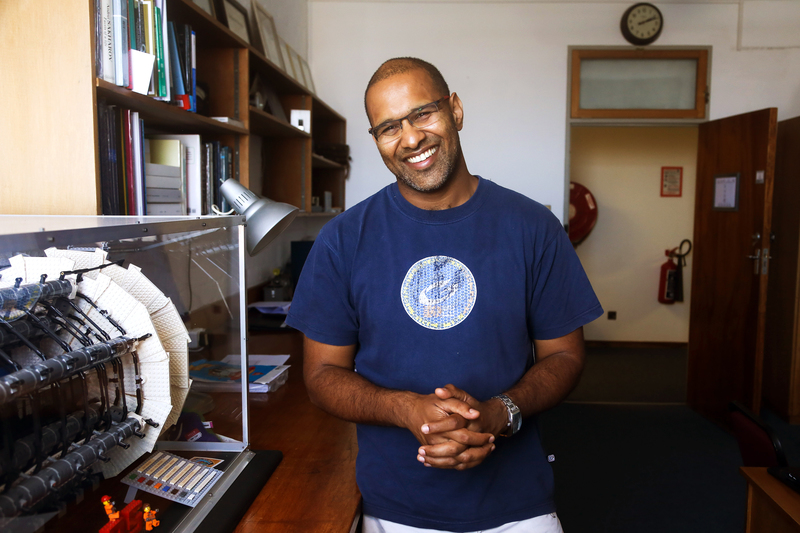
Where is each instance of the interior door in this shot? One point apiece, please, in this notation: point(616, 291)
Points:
point(730, 266)
point(782, 346)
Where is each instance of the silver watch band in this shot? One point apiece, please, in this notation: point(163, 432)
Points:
point(514, 416)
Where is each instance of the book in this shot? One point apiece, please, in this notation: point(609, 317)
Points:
point(128, 154)
point(194, 178)
point(207, 171)
point(162, 196)
point(98, 39)
point(167, 72)
point(147, 22)
point(106, 180)
point(161, 78)
point(150, 41)
point(169, 151)
point(125, 43)
point(163, 182)
point(141, 158)
point(181, 41)
point(208, 375)
point(116, 34)
point(108, 41)
point(138, 163)
point(132, 9)
point(177, 75)
point(140, 42)
point(193, 84)
point(154, 169)
point(166, 209)
point(119, 138)
point(116, 40)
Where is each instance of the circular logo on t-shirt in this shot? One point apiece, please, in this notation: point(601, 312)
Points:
point(438, 292)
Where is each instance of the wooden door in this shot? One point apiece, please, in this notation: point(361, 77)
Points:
point(782, 342)
point(729, 274)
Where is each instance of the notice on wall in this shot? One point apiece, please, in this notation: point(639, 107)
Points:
point(672, 181)
point(726, 193)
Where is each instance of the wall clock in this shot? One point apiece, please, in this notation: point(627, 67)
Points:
point(641, 24)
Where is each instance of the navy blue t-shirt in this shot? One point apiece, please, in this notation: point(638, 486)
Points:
point(437, 297)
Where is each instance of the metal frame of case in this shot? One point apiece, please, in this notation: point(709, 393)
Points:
point(20, 234)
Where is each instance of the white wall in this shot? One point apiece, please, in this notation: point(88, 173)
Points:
point(623, 254)
point(508, 62)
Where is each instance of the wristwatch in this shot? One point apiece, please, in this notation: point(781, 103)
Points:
point(514, 416)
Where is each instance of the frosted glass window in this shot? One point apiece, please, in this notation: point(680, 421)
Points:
point(638, 83)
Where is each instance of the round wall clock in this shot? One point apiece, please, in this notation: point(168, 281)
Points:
point(641, 24)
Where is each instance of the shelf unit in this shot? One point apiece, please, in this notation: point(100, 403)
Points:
point(53, 164)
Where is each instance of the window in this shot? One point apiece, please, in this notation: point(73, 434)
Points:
point(635, 83)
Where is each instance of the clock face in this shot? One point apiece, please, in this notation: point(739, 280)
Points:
point(641, 24)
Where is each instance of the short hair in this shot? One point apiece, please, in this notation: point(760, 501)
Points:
point(400, 65)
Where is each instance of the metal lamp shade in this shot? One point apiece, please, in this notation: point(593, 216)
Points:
point(265, 219)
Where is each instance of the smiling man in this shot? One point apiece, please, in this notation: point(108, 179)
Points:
point(442, 315)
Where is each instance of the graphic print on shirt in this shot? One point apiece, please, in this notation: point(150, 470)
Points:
point(438, 292)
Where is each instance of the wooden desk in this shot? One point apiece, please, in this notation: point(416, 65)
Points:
point(314, 487)
point(772, 507)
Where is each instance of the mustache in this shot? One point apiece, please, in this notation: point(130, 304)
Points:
point(416, 151)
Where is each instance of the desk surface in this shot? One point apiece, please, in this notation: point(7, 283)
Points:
point(766, 486)
point(314, 486)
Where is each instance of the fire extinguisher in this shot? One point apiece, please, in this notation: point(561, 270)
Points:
point(670, 285)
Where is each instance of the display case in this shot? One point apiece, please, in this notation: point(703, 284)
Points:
point(95, 393)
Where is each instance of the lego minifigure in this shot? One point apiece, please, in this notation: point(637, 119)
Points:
point(150, 518)
point(111, 511)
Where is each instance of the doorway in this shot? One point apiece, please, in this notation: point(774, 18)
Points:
point(622, 255)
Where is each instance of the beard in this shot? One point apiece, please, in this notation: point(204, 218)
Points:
point(433, 178)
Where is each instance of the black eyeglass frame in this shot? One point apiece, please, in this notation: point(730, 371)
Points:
point(407, 117)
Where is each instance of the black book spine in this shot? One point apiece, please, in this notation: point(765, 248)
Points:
point(217, 174)
point(227, 173)
point(144, 174)
point(106, 186)
point(187, 59)
point(140, 27)
point(98, 39)
point(113, 170)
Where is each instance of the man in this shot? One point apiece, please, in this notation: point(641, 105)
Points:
point(419, 306)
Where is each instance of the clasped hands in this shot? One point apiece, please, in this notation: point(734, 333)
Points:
point(456, 430)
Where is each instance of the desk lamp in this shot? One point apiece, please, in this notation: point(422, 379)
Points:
point(266, 219)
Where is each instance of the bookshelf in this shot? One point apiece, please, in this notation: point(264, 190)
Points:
point(52, 158)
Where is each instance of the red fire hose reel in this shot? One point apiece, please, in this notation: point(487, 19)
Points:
point(582, 212)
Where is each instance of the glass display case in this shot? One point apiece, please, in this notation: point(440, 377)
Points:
point(100, 320)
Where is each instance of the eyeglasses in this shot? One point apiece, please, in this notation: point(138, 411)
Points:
point(421, 117)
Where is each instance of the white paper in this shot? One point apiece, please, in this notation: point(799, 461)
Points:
point(301, 119)
point(725, 192)
point(142, 70)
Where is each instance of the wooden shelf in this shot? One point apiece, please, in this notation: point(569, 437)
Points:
point(273, 75)
point(266, 125)
point(161, 115)
point(226, 66)
point(210, 32)
point(321, 110)
point(317, 161)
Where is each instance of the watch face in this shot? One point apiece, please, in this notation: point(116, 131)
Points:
point(642, 23)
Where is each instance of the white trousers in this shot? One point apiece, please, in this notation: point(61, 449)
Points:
point(547, 523)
